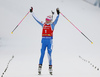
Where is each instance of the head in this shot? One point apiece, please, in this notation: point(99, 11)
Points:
point(48, 19)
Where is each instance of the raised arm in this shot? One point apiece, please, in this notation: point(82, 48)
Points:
point(56, 20)
point(31, 10)
point(37, 19)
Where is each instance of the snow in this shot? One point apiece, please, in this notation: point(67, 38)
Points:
point(68, 43)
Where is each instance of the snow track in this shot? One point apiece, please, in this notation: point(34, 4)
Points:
point(68, 43)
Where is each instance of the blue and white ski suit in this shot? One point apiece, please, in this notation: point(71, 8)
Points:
point(46, 41)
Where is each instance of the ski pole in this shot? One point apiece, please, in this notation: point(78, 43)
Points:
point(52, 13)
point(19, 22)
point(77, 28)
point(7, 66)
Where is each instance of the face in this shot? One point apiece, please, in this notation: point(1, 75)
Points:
point(48, 21)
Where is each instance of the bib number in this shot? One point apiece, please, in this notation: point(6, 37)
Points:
point(45, 31)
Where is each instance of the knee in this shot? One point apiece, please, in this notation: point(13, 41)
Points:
point(49, 51)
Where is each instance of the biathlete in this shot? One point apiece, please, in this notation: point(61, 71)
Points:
point(47, 38)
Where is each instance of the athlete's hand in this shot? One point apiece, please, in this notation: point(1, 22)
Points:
point(31, 10)
point(58, 11)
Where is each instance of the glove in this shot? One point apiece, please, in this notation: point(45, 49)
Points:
point(58, 11)
point(31, 10)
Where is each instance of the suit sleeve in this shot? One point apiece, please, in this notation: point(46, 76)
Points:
point(37, 19)
point(55, 22)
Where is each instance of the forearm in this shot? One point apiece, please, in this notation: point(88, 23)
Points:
point(37, 19)
point(56, 20)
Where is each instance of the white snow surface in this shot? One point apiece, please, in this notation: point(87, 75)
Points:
point(73, 55)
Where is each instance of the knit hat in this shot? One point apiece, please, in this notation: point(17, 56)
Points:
point(49, 18)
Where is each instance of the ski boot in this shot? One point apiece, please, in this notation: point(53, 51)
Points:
point(50, 69)
point(39, 69)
